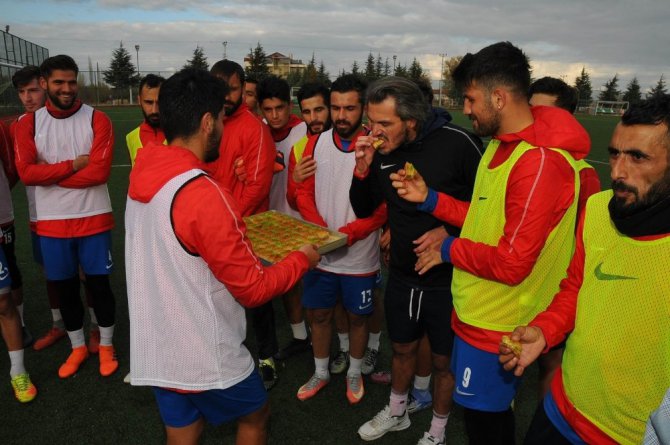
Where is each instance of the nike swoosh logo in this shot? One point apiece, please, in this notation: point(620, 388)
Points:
point(600, 275)
point(360, 308)
point(384, 167)
point(462, 393)
point(482, 198)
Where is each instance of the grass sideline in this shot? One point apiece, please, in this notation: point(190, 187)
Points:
point(89, 409)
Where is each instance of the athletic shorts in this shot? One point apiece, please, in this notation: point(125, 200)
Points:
point(37, 248)
point(321, 290)
point(481, 382)
point(8, 242)
point(216, 406)
point(5, 277)
point(412, 312)
point(63, 256)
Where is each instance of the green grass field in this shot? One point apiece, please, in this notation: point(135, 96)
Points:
point(89, 409)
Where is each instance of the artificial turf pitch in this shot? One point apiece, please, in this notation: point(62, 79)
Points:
point(90, 409)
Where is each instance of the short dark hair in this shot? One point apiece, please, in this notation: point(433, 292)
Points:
point(151, 81)
point(350, 82)
point(25, 75)
point(426, 88)
point(566, 96)
point(312, 89)
point(251, 79)
point(410, 102)
point(59, 62)
point(226, 68)
point(652, 111)
point(185, 98)
point(274, 86)
point(499, 64)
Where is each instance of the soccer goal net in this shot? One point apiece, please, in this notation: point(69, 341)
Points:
point(616, 108)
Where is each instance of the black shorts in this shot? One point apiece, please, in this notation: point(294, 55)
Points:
point(412, 312)
point(8, 241)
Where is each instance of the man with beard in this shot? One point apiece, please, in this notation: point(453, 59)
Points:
point(246, 145)
point(349, 272)
point(194, 291)
point(149, 131)
point(64, 149)
point(415, 304)
point(517, 234)
point(615, 367)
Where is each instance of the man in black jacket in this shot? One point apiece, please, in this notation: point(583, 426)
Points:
point(447, 157)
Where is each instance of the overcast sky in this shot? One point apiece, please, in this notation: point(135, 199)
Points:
point(631, 38)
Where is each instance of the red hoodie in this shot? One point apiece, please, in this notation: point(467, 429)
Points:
point(207, 221)
point(32, 172)
point(540, 189)
point(246, 137)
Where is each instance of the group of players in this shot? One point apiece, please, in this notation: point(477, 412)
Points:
point(477, 244)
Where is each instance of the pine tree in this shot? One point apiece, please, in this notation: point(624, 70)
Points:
point(355, 68)
point(401, 71)
point(370, 73)
point(121, 73)
point(379, 66)
point(659, 89)
point(199, 61)
point(310, 74)
point(322, 75)
point(611, 91)
point(387, 68)
point(416, 71)
point(633, 95)
point(449, 85)
point(583, 85)
point(258, 67)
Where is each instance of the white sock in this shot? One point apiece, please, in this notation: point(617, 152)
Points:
point(422, 383)
point(438, 425)
point(16, 360)
point(321, 367)
point(94, 320)
point(354, 367)
point(373, 340)
point(19, 308)
point(344, 341)
point(106, 335)
point(299, 330)
point(77, 338)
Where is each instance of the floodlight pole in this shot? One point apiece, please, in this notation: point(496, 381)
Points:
point(225, 47)
point(137, 53)
point(443, 55)
point(394, 59)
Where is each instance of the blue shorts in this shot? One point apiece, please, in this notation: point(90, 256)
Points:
point(216, 406)
point(5, 276)
point(37, 248)
point(63, 256)
point(481, 382)
point(321, 290)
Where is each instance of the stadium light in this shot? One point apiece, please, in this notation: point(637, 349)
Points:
point(137, 53)
point(394, 58)
point(443, 55)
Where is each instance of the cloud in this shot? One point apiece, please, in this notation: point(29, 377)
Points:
point(559, 37)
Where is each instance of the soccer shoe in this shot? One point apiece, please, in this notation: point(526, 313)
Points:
point(381, 377)
point(27, 338)
point(52, 336)
point(340, 363)
point(296, 346)
point(73, 362)
point(427, 439)
point(313, 385)
point(382, 423)
point(24, 390)
point(369, 361)
point(108, 362)
point(94, 341)
point(418, 400)
point(355, 389)
point(268, 373)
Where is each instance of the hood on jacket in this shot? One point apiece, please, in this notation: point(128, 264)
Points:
point(155, 165)
point(437, 118)
point(557, 128)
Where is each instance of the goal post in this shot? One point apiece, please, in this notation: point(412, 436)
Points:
point(613, 107)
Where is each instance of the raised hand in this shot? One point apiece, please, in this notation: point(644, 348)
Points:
point(364, 153)
point(304, 169)
point(532, 344)
point(412, 190)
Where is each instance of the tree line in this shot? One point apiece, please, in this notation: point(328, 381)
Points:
point(122, 74)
